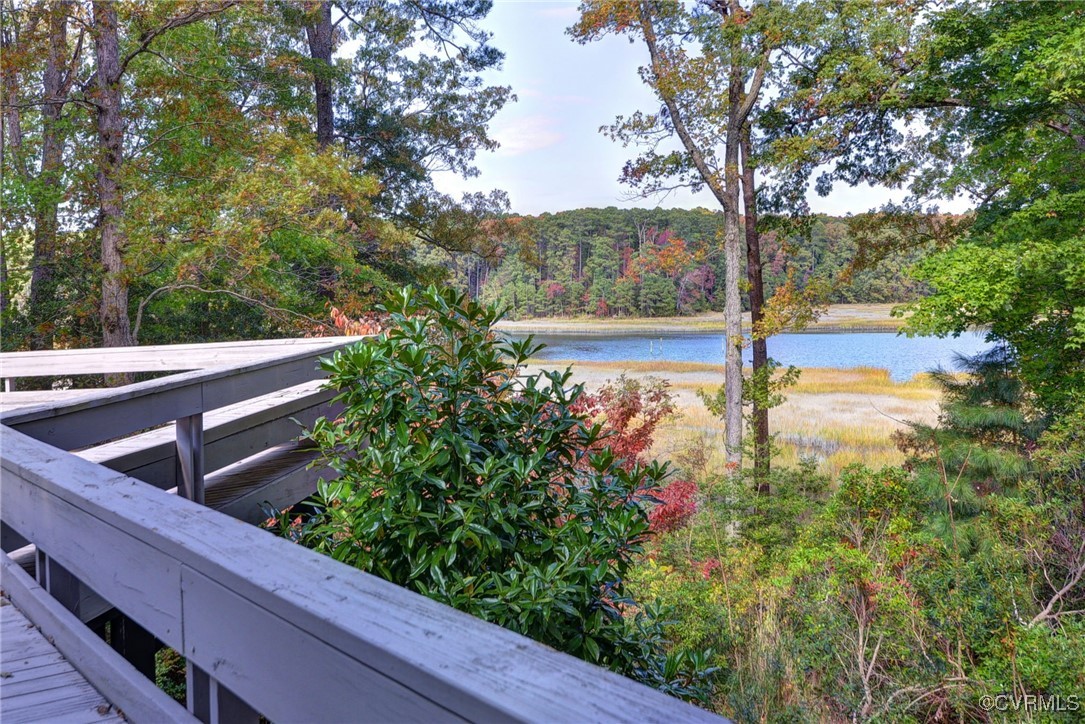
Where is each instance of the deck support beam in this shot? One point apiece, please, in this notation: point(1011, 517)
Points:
point(190, 457)
point(10, 539)
point(127, 638)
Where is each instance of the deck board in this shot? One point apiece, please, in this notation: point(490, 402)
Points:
point(36, 683)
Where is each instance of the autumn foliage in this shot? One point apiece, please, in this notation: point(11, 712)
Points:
point(350, 325)
point(630, 411)
point(677, 504)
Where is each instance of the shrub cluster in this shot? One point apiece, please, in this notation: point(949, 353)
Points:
point(486, 490)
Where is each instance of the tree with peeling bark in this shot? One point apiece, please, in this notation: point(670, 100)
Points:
point(762, 441)
point(707, 66)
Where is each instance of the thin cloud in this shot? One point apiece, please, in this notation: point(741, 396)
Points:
point(561, 11)
point(527, 134)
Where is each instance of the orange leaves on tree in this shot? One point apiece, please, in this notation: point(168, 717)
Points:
point(599, 17)
point(794, 305)
point(666, 254)
point(360, 325)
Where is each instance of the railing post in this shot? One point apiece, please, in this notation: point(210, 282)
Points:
point(198, 692)
point(227, 708)
point(60, 584)
point(134, 643)
point(190, 457)
point(212, 703)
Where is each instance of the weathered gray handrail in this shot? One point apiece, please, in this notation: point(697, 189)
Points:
point(105, 414)
point(249, 442)
point(295, 635)
point(230, 434)
point(152, 358)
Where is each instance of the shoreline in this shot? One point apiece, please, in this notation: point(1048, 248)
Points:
point(840, 318)
point(588, 329)
point(712, 373)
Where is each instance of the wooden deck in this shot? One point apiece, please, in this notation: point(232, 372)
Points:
point(37, 683)
point(133, 509)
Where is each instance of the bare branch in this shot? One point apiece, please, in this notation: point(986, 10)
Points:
point(676, 117)
point(194, 15)
point(228, 292)
point(1075, 574)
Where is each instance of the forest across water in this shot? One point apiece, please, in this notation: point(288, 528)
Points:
point(612, 262)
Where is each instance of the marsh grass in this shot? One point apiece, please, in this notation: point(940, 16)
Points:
point(812, 381)
point(826, 380)
point(805, 429)
point(834, 416)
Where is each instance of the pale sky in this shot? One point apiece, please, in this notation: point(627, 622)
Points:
point(552, 156)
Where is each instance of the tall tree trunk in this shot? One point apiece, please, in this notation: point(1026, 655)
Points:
point(761, 452)
point(52, 153)
point(732, 301)
point(319, 34)
point(727, 193)
point(11, 139)
point(732, 309)
point(116, 327)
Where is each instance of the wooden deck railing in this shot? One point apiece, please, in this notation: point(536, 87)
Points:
point(267, 627)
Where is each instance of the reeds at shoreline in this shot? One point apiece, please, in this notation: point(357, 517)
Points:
point(834, 416)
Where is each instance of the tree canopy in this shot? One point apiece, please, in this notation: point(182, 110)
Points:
point(171, 164)
point(1003, 88)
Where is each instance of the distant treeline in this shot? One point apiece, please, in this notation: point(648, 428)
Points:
point(663, 262)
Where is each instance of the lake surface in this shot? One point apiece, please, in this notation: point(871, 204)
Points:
point(904, 357)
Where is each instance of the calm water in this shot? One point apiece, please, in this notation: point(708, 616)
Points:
point(902, 356)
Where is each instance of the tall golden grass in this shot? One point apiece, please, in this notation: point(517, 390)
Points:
point(835, 416)
point(801, 432)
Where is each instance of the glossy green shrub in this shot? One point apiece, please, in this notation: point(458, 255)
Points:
point(484, 490)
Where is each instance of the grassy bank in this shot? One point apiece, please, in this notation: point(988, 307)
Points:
point(836, 416)
point(838, 318)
